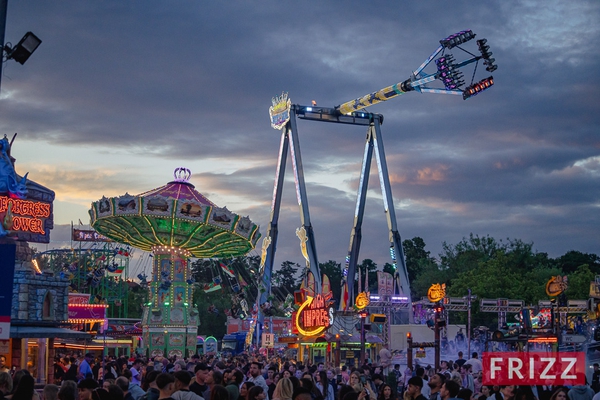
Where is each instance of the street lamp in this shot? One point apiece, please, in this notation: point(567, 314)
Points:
point(24, 49)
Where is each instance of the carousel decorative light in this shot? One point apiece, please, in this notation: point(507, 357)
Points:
point(174, 222)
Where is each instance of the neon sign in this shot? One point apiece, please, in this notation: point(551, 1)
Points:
point(314, 315)
point(26, 214)
point(436, 292)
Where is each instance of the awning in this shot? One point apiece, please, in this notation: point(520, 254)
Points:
point(32, 332)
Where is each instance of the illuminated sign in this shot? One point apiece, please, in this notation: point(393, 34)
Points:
point(85, 235)
point(556, 285)
point(362, 300)
point(436, 292)
point(26, 215)
point(314, 315)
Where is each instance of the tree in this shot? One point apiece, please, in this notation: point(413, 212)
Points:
point(572, 260)
point(414, 252)
point(285, 277)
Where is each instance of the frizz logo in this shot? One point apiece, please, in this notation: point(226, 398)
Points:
point(534, 368)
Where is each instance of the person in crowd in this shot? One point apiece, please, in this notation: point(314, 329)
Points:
point(449, 390)
point(135, 390)
point(257, 378)
point(182, 387)
point(425, 390)
point(213, 378)
point(233, 385)
point(50, 392)
point(136, 371)
point(506, 392)
point(25, 389)
point(475, 363)
point(115, 392)
point(301, 394)
point(324, 386)
point(201, 372)
point(165, 383)
point(3, 366)
point(460, 360)
point(435, 385)
point(415, 385)
point(386, 392)
point(524, 393)
point(560, 394)
point(6, 384)
point(101, 394)
point(355, 382)
point(464, 394)
point(218, 392)
point(466, 378)
point(257, 392)
point(581, 392)
point(85, 368)
point(86, 387)
point(123, 383)
point(284, 390)
point(244, 389)
point(484, 393)
point(68, 391)
point(148, 383)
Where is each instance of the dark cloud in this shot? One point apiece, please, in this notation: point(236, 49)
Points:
point(192, 81)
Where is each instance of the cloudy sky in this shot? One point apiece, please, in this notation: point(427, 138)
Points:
point(120, 93)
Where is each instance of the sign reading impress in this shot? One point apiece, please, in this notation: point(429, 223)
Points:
point(314, 315)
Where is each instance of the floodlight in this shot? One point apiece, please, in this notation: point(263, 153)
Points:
point(25, 48)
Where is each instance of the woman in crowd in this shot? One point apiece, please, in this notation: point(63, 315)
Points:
point(244, 389)
point(218, 392)
point(386, 393)
point(560, 394)
point(256, 393)
point(25, 389)
point(6, 384)
point(283, 390)
point(68, 391)
point(324, 386)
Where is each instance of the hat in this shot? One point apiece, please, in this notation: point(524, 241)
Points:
point(416, 381)
point(87, 383)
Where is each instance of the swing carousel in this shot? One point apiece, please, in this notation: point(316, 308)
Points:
point(175, 223)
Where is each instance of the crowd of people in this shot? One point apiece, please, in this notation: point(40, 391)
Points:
point(248, 377)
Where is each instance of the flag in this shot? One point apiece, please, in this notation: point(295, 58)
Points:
point(228, 270)
point(344, 302)
point(241, 281)
point(115, 270)
point(211, 287)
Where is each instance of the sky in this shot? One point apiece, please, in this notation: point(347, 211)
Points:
point(120, 93)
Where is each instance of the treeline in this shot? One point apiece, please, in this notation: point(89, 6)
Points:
point(490, 268)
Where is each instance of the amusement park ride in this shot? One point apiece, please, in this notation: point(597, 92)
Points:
point(283, 116)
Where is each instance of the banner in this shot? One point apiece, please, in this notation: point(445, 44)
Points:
point(385, 284)
point(7, 266)
point(86, 235)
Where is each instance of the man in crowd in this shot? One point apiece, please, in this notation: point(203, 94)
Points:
point(449, 390)
point(85, 388)
point(165, 384)
point(233, 385)
point(435, 384)
point(3, 366)
point(257, 378)
point(85, 370)
point(460, 361)
point(475, 363)
point(213, 378)
point(136, 371)
point(420, 372)
point(444, 369)
point(123, 384)
point(466, 377)
point(182, 387)
point(415, 384)
point(201, 372)
point(150, 379)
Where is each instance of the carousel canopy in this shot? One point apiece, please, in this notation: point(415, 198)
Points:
point(174, 215)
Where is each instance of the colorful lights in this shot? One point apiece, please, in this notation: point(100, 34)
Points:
point(478, 87)
point(457, 38)
point(447, 72)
